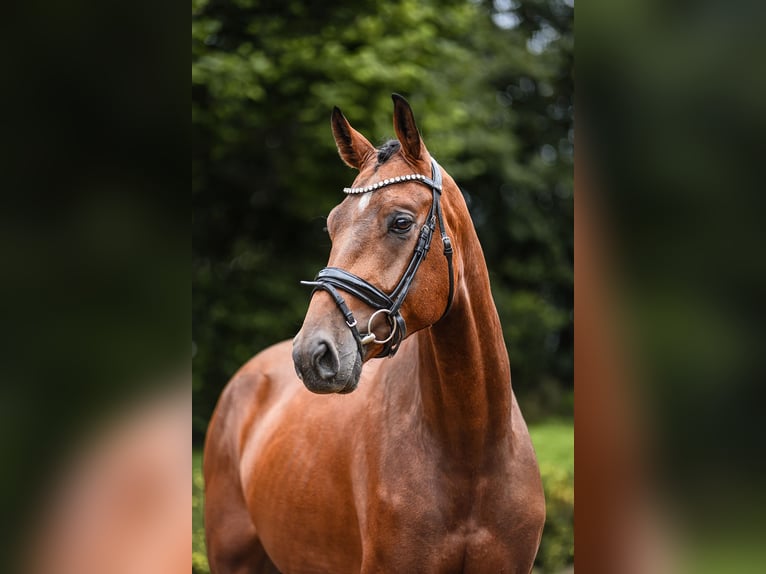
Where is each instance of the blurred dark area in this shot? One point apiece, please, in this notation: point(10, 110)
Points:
point(671, 114)
point(492, 89)
point(94, 292)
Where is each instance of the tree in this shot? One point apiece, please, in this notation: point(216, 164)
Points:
point(493, 97)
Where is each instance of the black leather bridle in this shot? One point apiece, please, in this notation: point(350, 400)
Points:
point(330, 279)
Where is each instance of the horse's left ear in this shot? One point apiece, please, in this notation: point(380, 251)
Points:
point(353, 147)
point(406, 130)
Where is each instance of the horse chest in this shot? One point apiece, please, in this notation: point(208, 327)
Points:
point(425, 500)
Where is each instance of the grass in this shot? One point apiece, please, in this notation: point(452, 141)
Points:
point(199, 556)
point(554, 444)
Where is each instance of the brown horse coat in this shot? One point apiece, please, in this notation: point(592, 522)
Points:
point(425, 465)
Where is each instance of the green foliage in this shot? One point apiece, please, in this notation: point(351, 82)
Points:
point(557, 546)
point(554, 445)
point(199, 554)
point(494, 103)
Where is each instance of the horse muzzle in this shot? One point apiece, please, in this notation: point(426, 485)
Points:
point(326, 365)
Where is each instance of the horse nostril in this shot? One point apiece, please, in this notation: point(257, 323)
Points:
point(325, 360)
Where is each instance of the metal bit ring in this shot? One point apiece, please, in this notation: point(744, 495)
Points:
point(391, 322)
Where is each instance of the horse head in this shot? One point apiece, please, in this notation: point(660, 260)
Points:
point(382, 282)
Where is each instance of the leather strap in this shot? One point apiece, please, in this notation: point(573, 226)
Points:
point(330, 279)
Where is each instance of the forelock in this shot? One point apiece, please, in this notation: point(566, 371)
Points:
point(387, 150)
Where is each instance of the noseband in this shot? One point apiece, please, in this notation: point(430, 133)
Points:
point(330, 279)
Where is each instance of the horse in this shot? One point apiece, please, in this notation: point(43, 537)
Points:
point(421, 463)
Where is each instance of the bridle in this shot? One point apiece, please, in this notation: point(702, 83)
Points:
point(330, 279)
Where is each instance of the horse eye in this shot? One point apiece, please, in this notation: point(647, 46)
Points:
point(401, 224)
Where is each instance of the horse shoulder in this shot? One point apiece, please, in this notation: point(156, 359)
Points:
point(253, 389)
point(232, 540)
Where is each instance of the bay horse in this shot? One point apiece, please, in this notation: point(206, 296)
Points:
point(417, 464)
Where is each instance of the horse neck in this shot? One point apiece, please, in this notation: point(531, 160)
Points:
point(465, 377)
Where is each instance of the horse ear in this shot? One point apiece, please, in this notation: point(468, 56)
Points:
point(353, 147)
point(406, 130)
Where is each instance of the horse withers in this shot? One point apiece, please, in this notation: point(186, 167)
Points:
point(417, 464)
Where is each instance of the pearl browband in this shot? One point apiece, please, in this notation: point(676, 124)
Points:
point(385, 182)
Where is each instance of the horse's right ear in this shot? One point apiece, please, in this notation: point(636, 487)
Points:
point(353, 147)
point(406, 131)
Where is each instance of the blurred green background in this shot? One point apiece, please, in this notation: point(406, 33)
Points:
point(491, 85)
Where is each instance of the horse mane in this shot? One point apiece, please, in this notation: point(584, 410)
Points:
point(387, 150)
